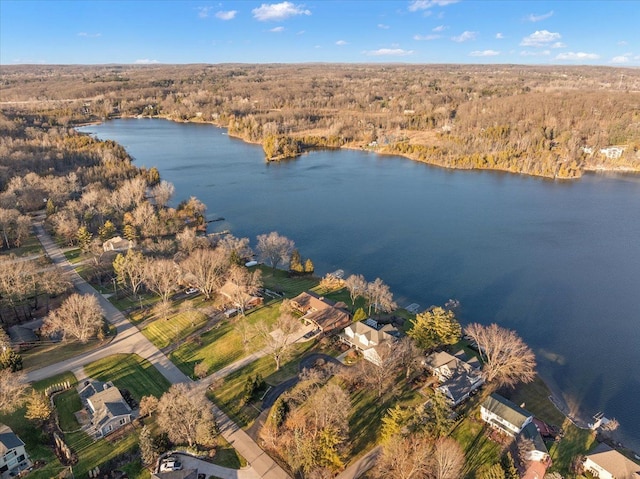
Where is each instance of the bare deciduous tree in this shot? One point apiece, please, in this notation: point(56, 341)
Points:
point(184, 413)
point(78, 317)
point(206, 270)
point(237, 249)
point(275, 249)
point(380, 297)
point(243, 285)
point(12, 390)
point(160, 277)
point(148, 405)
point(130, 269)
point(507, 359)
point(405, 458)
point(357, 286)
point(448, 459)
point(279, 337)
point(162, 193)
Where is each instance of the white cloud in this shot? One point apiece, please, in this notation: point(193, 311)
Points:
point(539, 53)
point(577, 56)
point(426, 37)
point(559, 45)
point(427, 4)
point(146, 61)
point(465, 36)
point(540, 38)
point(89, 35)
point(277, 29)
point(484, 53)
point(536, 18)
point(341, 42)
point(439, 28)
point(621, 59)
point(229, 15)
point(499, 36)
point(278, 11)
point(394, 52)
point(203, 12)
point(383, 26)
point(622, 42)
point(301, 32)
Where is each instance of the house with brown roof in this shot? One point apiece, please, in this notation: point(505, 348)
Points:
point(370, 337)
point(13, 456)
point(326, 315)
point(607, 463)
point(117, 243)
point(239, 298)
point(458, 376)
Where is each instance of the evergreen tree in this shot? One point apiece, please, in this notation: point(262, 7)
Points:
point(359, 315)
point(394, 421)
point(84, 236)
point(509, 467)
point(38, 407)
point(107, 230)
point(295, 264)
point(434, 327)
point(308, 266)
point(129, 232)
point(50, 208)
point(490, 471)
point(10, 360)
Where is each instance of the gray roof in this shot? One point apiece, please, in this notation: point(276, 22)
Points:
point(8, 439)
point(531, 432)
point(507, 410)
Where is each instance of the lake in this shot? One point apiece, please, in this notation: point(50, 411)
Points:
point(559, 262)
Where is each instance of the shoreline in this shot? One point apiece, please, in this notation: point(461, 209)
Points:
point(356, 147)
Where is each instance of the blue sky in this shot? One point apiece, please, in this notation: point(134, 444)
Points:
point(413, 31)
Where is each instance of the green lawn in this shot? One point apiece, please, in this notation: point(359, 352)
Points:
point(40, 356)
point(227, 456)
point(229, 394)
point(162, 332)
point(222, 345)
point(575, 442)
point(279, 280)
point(74, 256)
point(30, 247)
point(67, 403)
point(535, 397)
point(129, 371)
point(58, 378)
point(478, 448)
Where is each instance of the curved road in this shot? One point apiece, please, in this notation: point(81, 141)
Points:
point(130, 340)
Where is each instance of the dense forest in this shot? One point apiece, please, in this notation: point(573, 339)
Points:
point(551, 121)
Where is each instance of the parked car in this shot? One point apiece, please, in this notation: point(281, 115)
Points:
point(192, 291)
point(169, 464)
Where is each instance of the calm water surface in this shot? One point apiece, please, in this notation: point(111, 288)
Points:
point(559, 262)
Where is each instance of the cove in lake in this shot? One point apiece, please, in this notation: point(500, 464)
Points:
point(559, 262)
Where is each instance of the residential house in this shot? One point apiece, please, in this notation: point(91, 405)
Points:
point(370, 337)
point(502, 414)
point(539, 451)
point(239, 299)
point(459, 378)
point(106, 407)
point(117, 244)
point(607, 463)
point(13, 456)
point(612, 152)
point(326, 315)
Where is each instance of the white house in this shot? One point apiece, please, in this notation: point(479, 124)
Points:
point(607, 463)
point(369, 337)
point(502, 414)
point(13, 456)
point(458, 378)
point(612, 152)
point(117, 244)
point(539, 451)
point(106, 406)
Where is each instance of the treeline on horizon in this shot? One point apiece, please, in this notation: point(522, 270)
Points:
point(522, 119)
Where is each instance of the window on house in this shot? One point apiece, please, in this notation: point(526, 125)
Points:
point(123, 420)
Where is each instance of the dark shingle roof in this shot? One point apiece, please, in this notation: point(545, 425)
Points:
point(506, 410)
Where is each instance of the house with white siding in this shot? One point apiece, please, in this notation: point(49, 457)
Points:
point(607, 463)
point(13, 456)
point(502, 414)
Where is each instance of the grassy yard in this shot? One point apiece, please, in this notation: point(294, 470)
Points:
point(162, 332)
point(229, 394)
point(222, 345)
point(30, 247)
point(46, 354)
point(279, 280)
point(67, 403)
point(478, 448)
point(129, 371)
point(58, 378)
point(575, 442)
point(227, 456)
point(535, 397)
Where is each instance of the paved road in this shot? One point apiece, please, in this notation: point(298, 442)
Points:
point(130, 340)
